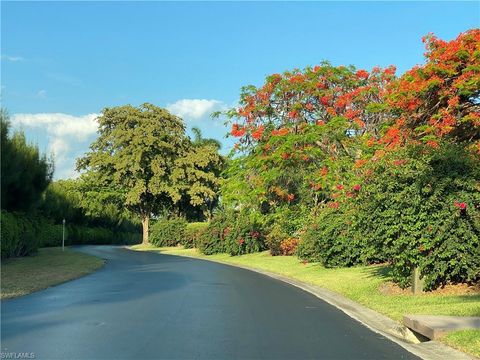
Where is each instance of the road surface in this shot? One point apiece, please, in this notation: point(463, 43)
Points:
point(144, 305)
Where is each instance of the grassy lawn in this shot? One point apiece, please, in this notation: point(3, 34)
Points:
point(50, 266)
point(465, 340)
point(361, 284)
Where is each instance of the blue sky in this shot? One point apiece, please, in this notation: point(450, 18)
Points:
point(62, 62)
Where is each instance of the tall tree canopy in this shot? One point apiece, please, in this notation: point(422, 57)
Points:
point(25, 172)
point(136, 152)
point(440, 99)
point(143, 153)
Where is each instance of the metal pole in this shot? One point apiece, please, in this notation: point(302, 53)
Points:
point(63, 236)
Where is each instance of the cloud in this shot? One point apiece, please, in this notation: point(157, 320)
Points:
point(194, 109)
point(42, 94)
point(58, 124)
point(12, 58)
point(67, 136)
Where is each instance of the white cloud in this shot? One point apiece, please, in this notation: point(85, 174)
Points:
point(42, 94)
point(12, 58)
point(59, 125)
point(193, 109)
point(66, 135)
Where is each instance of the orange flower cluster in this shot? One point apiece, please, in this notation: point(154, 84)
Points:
point(237, 130)
point(280, 132)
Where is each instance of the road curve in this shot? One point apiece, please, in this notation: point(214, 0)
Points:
point(144, 305)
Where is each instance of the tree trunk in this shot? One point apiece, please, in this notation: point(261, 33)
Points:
point(145, 221)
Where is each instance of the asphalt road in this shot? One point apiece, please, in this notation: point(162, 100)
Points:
point(148, 306)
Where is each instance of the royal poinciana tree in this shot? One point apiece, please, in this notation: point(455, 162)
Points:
point(311, 121)
point(136, 152)
point(441, 99)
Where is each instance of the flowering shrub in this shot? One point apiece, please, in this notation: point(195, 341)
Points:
point(212, 239)
point(289, 246)
point(424, 213)
point(245, 234)
point(383, 166)
point(193, 231)
point(331, 241)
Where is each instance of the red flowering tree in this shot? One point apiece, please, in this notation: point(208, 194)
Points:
point(302, 132)
point(440, 99)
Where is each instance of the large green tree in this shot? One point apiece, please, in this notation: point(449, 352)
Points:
point(136, 153)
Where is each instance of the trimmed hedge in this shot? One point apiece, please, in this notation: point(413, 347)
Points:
point(193, 231)
point(82, 235)
point(23, 234)
point(168, 232)
point(19, 235)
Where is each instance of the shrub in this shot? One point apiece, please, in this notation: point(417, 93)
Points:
point(168, 232)
point(193, 231)
point(81, 235)
point(275, 238)
point(18, 233)
point(244, 234)
point(211, 241)
point(287, 222)
point(329, 240)
point(422, 209)
point(289, 246)
point(50, 234)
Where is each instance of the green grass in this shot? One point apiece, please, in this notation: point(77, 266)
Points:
point(465, 340)
point(360, 284)
point(50, 266)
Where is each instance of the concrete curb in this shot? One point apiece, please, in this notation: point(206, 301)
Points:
point(381, 324)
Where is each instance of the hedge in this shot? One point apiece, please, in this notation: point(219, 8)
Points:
point(23, 234)
point(168, 232)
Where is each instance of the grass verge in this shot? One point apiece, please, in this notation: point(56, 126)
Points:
point(465, 340)
point(50, 266)
point(361, 284)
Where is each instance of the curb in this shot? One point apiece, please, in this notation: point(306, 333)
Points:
point(378, 323)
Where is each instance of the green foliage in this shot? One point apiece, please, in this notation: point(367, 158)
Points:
point(287, 222)
point(193, 231)
point(233, 232)
point(168, 232)
point(244, 233)
point(25, 172)
point(50, 234)
point(135, 152)
point(412, 214)
point(211, 241)
point(18, 233)
point(330, 241)
point(144, 154)
point(80, 235)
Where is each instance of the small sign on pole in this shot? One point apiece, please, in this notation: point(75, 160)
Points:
point(63, 236)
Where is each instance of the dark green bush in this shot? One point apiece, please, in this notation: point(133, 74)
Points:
point(330, 241)
point(83, 235)
point(193, 232)
point(18, 233)
point(212, 240)
point(244, 234)
point(168, 232)
point(411, 213)
point(50, 234)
